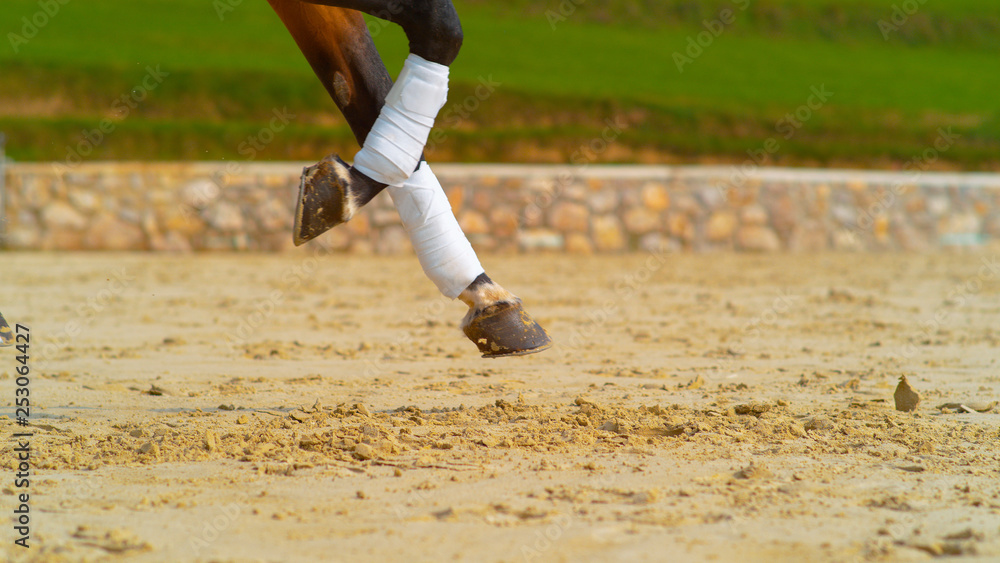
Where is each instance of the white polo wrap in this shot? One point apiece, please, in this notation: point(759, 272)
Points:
point(444, 253)
point(393, 147)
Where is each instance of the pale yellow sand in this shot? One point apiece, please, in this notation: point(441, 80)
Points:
point(365, 427)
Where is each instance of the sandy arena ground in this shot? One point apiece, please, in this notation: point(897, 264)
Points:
point(716, 407)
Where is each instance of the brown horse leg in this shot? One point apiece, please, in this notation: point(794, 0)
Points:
point(333, 37)
point(432, 26)
point(337, 45)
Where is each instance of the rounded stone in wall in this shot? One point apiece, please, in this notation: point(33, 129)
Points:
point(84, 200)
point(172, 241)
point(784, 215)
point(473, 223)
point(603, 201)
point(22, 238)
point(991, 225)
point(184, 220)
point(532, 216)
point(225, 217)
point(540, 239)
point(579, 243)
point(107, 232)
point(757, 239)
point(61, 215)
point(199, 193)
point(149, 224)
point(845, 215)
point(569, 217)
point(504, 221)
point(961, 223)
point(655, 196)
point(175, 242)
point(754, 215)
point(578, 192)
point(483, 243)
point(685, 203)
point(938, 205)
point(845, 239)
point(34, 193)
point(657, 243)
point(808, 236)
point(713, 197)
point(720, 226)
point(608, 233)
point(640, 220)
point(273, 216)
point(880, 229)
point(680, 226)
point(456, 197)
point(482, 201)
point(909, 238)
point(226, 242)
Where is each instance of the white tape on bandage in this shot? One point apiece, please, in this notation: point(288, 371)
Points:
point(393, 147)
point(444, 253)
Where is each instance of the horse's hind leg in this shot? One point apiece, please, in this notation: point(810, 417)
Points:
point(338, 47)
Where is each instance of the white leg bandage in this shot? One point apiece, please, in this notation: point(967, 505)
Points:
point(444, 253)
point(393, 147)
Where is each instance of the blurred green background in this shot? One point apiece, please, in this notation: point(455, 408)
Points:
point(564, 68)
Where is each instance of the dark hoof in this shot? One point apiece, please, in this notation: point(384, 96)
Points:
point(6, 335)
point(506, 329)
point(325, 199)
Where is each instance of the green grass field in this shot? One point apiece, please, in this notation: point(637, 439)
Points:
point(560, 78)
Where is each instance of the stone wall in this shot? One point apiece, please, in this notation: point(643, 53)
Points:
point(505, 208)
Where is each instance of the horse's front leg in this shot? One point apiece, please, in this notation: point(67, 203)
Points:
point(392, 152)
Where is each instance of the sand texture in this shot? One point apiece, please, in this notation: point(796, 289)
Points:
point(714, 407)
